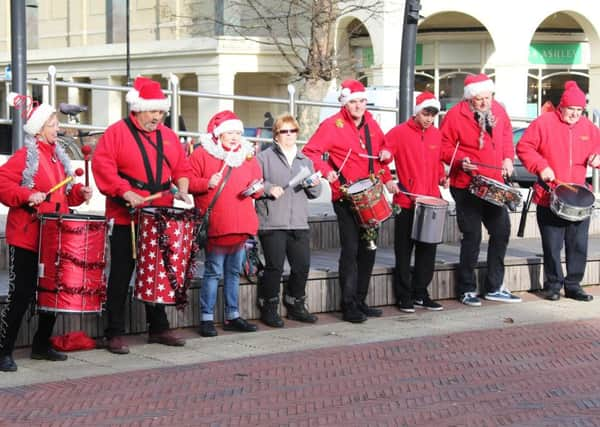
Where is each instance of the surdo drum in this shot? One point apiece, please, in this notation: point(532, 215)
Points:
point(429, 219)
point(71, 276)
point(165, 254)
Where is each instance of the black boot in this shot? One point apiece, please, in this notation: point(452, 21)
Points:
point(268, 312)
point(7, 363)
point(297, 309)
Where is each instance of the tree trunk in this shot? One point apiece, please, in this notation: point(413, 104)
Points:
point(309, 117)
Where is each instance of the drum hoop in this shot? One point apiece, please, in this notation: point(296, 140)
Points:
point(72, 217)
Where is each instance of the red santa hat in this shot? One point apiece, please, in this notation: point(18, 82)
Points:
point(476, 84)
point(351, 89)
point(146, 95)
point(35, 114)
point(572, 96)
point(224, 121)
point(426, 100)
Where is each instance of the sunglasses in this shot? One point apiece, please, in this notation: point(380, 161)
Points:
point(287, 131)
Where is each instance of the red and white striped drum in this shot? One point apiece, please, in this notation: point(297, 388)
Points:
point(71, 276)
point(165, 254)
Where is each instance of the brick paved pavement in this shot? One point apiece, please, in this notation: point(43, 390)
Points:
point(540, 375)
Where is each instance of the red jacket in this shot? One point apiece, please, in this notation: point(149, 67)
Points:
point(118, 153)
point(459, 127)
point(232, 214)
point(416, 153)
point(549, 141)
point(338, 134)
point(22, 224)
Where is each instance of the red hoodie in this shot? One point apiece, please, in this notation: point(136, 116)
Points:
point(117, 152)
point(416, 153)
point(338, 134)
point(22, 224)
point(460, 127)
point(549, 141)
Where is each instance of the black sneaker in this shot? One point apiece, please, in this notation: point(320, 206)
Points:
point(49, 354)
point(369, 311)
point(239, 325)
point(207, 328)
point(428, 304)
point(353, 315)
point(7, 363)
point(406, 307)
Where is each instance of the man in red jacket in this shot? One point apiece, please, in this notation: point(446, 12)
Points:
point(558, 146)
point(478, 130)
point(415, 146)
point(352, 140)
point(136, 157)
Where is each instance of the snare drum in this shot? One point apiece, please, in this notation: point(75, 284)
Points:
point(369, 202)
point(71, 276)
point(164, 254)
point(429, 219)
point(572, 202)
point(495, 192)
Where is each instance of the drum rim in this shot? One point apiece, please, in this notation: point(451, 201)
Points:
point(587, 193)
point(152, 209)
point(73, 217)
point(361, 181)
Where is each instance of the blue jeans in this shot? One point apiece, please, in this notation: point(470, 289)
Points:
point(216, 265)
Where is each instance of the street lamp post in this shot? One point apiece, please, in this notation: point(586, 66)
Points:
point(127, 55)
point(407, 58)
point(18, 65)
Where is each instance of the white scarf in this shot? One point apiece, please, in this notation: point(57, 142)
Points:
point(232, 158)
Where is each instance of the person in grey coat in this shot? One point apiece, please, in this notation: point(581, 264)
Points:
point(289, 181)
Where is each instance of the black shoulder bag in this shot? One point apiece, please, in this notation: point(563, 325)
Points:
point(202, 234)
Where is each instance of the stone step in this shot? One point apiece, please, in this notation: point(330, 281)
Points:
point(524, 272)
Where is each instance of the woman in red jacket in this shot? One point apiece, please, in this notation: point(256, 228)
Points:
point(225, 157)
point(415, 147)
point(558, 146)
point(26, 179)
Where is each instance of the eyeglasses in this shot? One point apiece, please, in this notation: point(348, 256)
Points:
point(287, 131)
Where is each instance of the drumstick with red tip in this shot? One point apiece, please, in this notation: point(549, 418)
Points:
point(61, 184)
point(86, 150)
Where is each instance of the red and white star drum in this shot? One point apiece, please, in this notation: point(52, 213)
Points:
point(71, 261)
point(165, 254)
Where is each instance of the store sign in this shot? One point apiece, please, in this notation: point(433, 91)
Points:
point(555, 53)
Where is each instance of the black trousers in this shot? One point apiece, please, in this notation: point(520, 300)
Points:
point(407, 288)
point(471, 212)
point(23, 272)
point(555, 232)
point(121, 269)
point(356, 261)
point(277, 245)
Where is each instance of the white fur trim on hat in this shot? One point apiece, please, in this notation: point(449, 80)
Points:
point(136, 103)
point(228, 126)
point(38, 118)
point(474, 89)
point(432, 102)
point(346, 96)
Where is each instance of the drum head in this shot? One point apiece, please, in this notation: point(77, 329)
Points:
point(431, 201)
point(360, 186)
point(580, 198)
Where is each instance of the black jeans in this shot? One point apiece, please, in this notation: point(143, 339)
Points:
point(356, 261)
point(23, 271)
point(405, 288)
point(277, 245)
point(471, 212)
point(555, 231)
point(121, 268)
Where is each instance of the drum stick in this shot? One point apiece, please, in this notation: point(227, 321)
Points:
point(344, 162)
point(452, 159)
point(57, 186)
point(367, 156)
point(86, 150)
point(569, 186)
point(485, 165)
point(133, 248)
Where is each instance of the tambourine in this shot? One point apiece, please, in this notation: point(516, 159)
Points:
point(254, 187)
point(312, 180)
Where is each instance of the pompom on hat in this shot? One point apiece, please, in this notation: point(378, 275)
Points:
point(476, 84)
point(350, 90)
point(572, 96)
point(224, 121)
point(147, 95)
point(35, 114)
point(426, 100)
